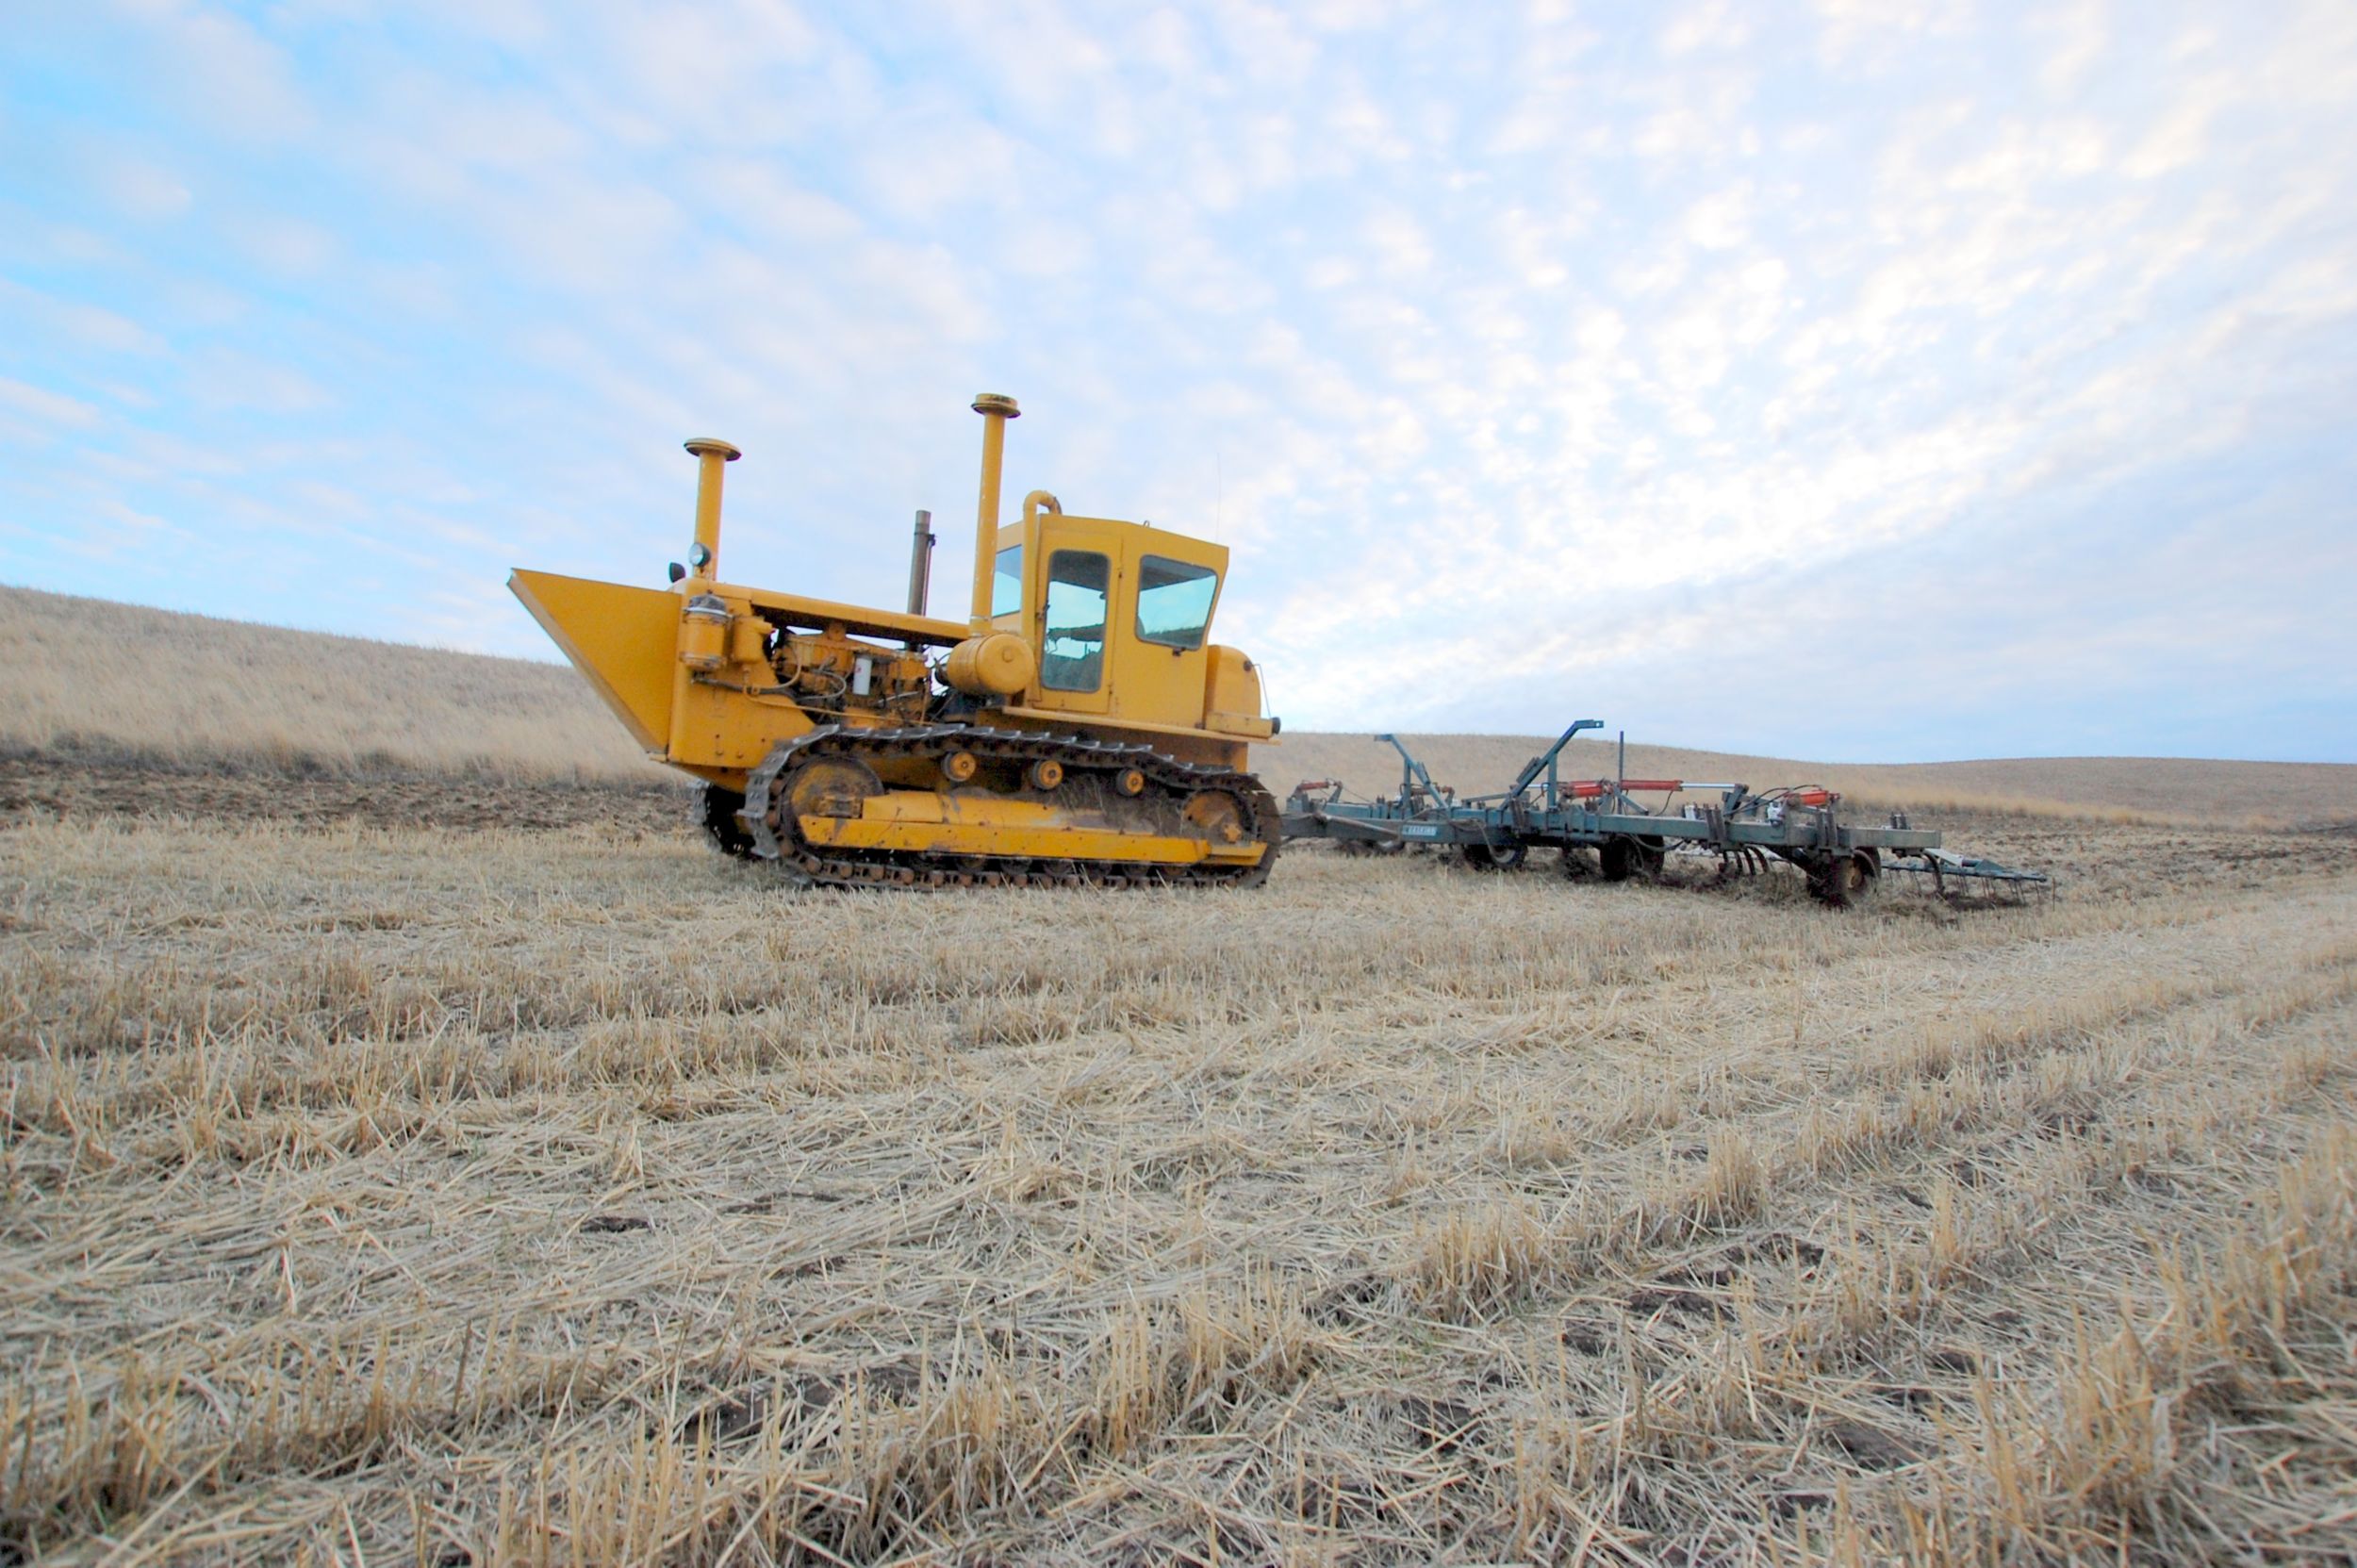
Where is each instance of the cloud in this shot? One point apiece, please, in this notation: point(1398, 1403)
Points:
point(47, 406)
point(225, 71)
point(2080, 34)
point(284, 244)
point(81, 324)
point(147, 192)
point(2177, 138)
point(1676, 359)
point(230, 378)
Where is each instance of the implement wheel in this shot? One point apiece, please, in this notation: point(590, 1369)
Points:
point(1494, 857)
point(1845, 879)
point(1624, 857)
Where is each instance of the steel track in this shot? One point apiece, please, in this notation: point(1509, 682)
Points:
point(776, 832)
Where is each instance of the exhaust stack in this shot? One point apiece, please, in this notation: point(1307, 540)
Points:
point(995, 408)
point(920, 563)
point(703, 556)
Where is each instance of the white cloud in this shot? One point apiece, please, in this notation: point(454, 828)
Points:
point(2080, 34)
point(760, 196)
point(88, 325)
point(284, 244)
point(1719, 221)
point(1713, 25)
point(230, 378)
point(1871, 34)
point(50, 407)
point(235, 79)
point(928, 164)
point(1549, 344)
point(2178, 137)
point(144, 192)
point(1397, 242)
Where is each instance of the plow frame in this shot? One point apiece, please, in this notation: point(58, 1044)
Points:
point(1541, 809)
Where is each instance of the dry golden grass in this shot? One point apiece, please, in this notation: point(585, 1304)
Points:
point(90, 677)
point(575, 1196)
point(386, 1193)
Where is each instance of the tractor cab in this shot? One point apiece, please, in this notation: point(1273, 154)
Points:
point(1119, 616)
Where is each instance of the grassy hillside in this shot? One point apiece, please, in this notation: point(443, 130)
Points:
point(87, 676)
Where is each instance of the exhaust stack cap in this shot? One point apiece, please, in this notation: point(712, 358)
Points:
point(997, 403)
point(706, 446)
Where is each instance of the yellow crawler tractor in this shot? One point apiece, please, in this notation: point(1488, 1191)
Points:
point(1079, 727)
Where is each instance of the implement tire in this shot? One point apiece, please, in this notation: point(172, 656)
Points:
point(1624, 857)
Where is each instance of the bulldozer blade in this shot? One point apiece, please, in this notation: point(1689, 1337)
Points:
point(622, 639)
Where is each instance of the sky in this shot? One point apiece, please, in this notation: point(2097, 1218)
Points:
point(1854, 381)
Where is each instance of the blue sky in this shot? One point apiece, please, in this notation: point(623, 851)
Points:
point(1856, 381)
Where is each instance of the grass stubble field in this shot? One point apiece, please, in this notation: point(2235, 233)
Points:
point(383, 1183)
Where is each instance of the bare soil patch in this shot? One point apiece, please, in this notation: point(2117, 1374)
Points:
point(53, 788)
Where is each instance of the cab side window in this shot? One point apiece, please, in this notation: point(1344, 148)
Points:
point(1006, 582)
point(1174, 602)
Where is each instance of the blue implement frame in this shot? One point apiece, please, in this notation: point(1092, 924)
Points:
point(1540, 808)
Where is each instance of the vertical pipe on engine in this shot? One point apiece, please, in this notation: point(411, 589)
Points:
point(995, 408)
point(920, 563)
point(710, 455)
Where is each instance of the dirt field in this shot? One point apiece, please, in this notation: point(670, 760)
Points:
point(52, 788)
point(431, 1194)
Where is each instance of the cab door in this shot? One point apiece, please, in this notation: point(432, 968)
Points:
point(1158, 660)
point(1079, 583)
